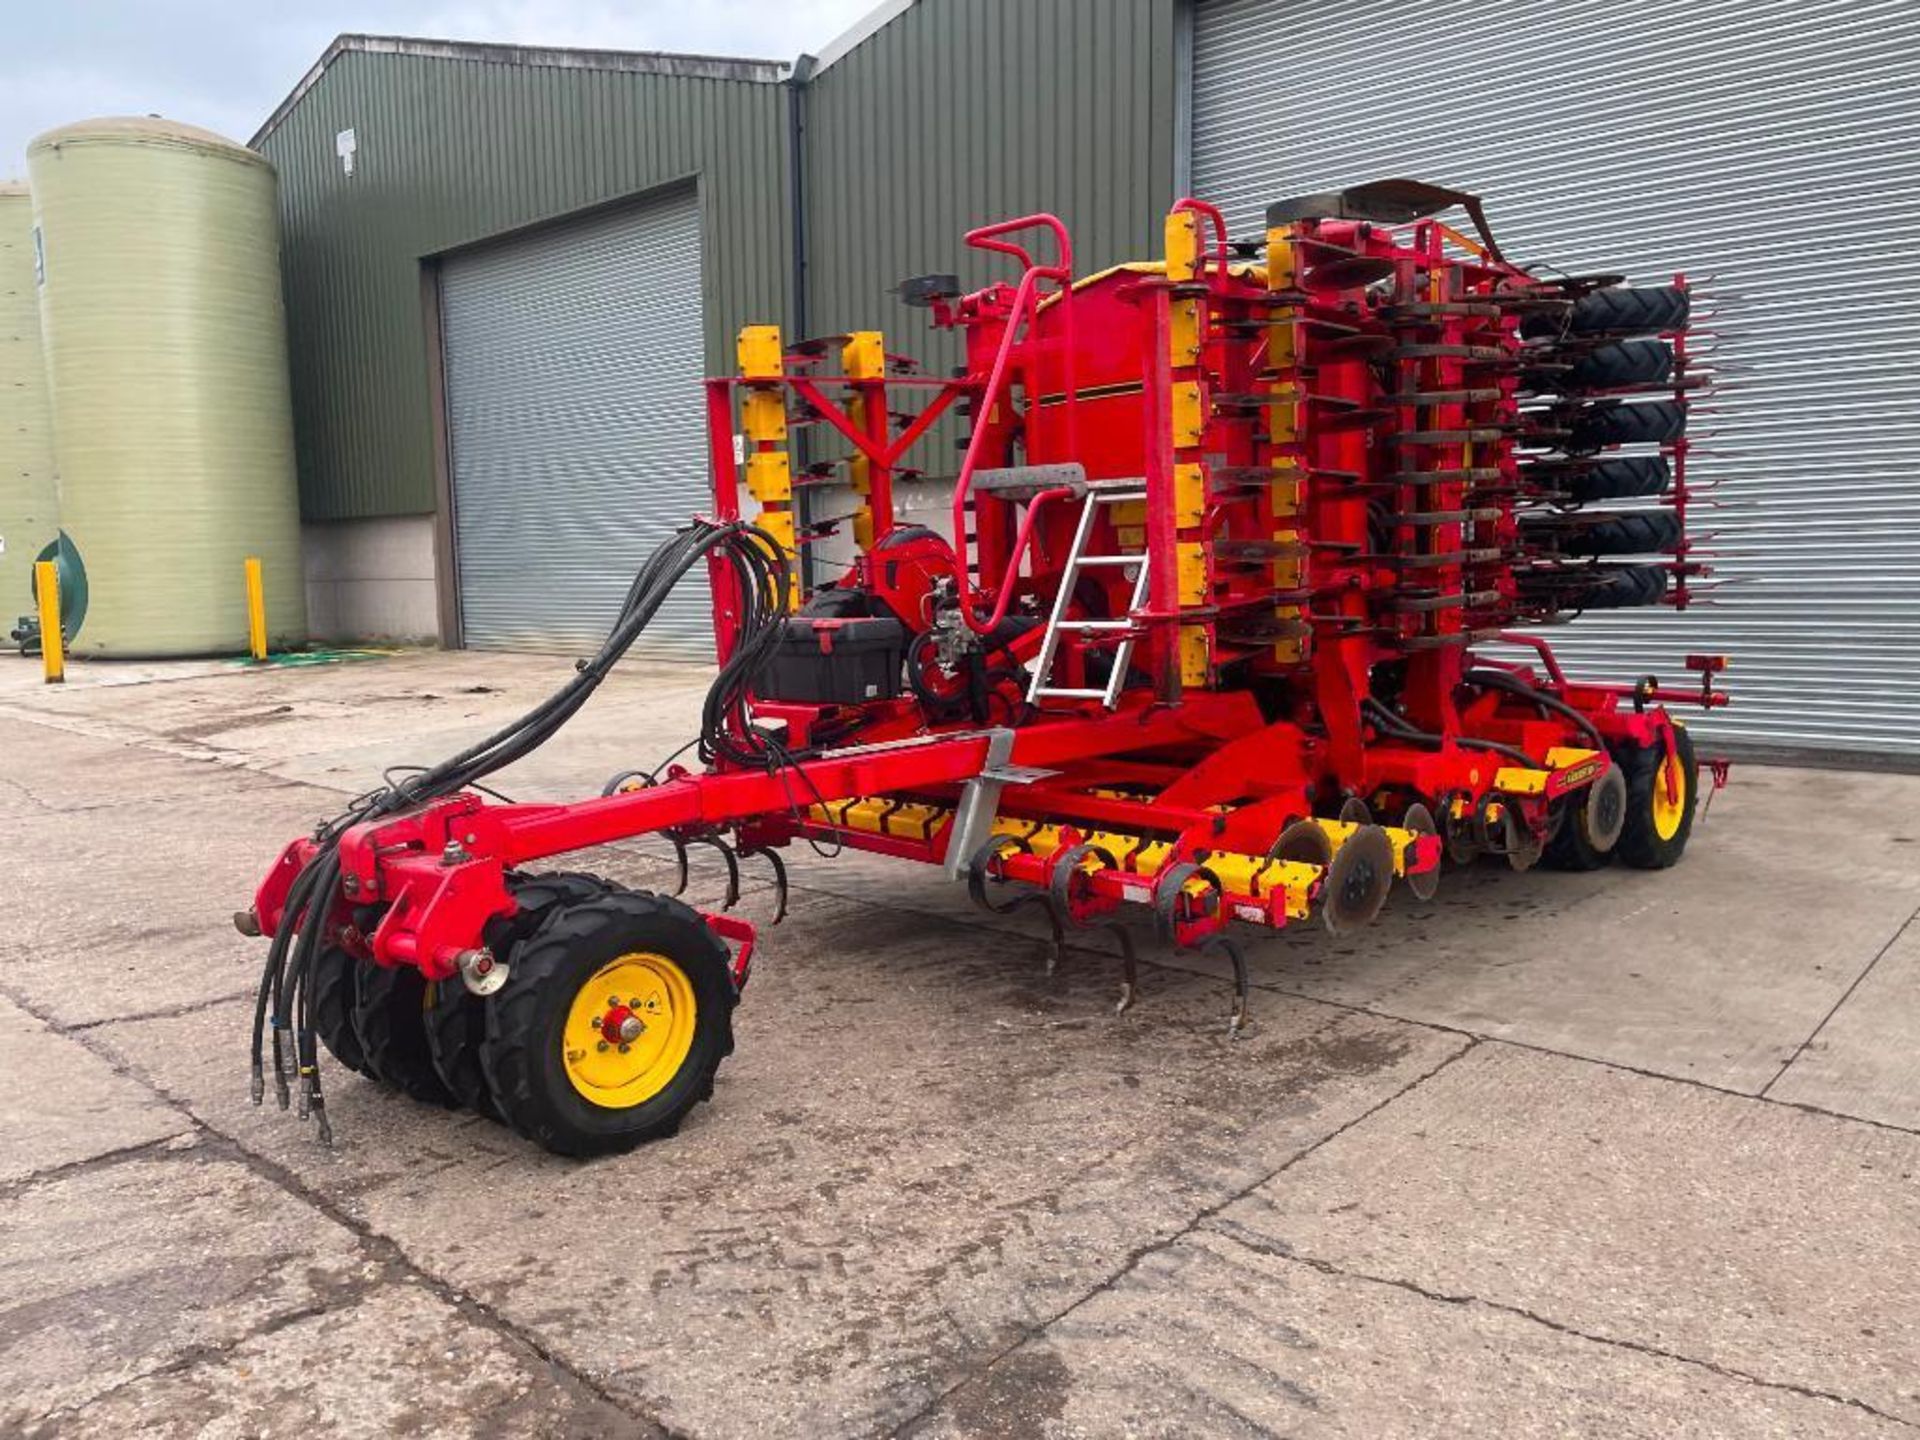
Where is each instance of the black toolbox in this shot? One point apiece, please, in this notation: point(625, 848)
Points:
point(825, 660)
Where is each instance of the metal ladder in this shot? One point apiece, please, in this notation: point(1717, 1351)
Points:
point(1100, 492)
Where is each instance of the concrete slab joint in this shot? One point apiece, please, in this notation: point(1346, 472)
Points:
point(1617, 1154)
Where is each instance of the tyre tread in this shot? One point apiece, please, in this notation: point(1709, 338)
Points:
point(1650, 422)
point(1618, 363)
point(1639, 845)
point(1644, 532)
point(513, 1018)
point(457, 1021)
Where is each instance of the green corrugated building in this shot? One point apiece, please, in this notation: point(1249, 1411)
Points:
point(508, 269)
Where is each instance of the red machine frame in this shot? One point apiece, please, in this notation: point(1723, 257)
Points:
point(1175, 794)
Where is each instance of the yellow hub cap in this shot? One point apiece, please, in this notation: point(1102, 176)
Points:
point(629, 1030)
point(1667, 812)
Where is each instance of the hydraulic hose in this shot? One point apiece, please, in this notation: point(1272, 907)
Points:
point(1386, 720)
point(760, 568)
point(1514, 685)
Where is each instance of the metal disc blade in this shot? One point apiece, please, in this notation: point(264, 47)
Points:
point(1523, 847)
point(1349, 272)
point(1358, 880)
point(1419, 819)
point(1356, 812)
point(1603, 812)
point(1304, 843)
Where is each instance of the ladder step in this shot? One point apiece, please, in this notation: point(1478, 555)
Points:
point(1110, 560)
point(1094, 625)
point(1071, 694)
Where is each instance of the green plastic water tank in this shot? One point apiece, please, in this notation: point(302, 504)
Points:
point(29, 500)
point(161, 315)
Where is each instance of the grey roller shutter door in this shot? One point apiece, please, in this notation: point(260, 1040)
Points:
point(576, 425)
point(1772, 149)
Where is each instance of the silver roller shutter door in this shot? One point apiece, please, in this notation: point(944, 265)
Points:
point(1770, 149)
point(576, 425)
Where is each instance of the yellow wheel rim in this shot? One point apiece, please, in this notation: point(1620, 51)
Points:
point(1667, 813)
point(629, 1030)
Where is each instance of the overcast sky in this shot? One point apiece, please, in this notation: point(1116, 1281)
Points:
point(225, 64)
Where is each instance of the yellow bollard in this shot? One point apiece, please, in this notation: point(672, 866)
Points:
point(53, 644)
point(256, 611)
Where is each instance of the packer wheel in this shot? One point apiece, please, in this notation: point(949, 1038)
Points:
point(1640, 532)
point(1620, 477)
point(1617, 587)
point(389, 1017)
point(330, 994)
point(456, 1020)
point(1657, 827)
point(1618, 310)
point(616, 1013)
point(1619, 363)
point(1651, 422)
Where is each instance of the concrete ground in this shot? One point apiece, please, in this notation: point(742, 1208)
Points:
point(1616, 1154)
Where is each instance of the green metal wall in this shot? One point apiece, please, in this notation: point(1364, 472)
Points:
point(952, 113)
point(957, 112)
point(452, 151)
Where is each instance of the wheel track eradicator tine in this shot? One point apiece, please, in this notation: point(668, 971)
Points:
point(733, 867)
point(779, 878)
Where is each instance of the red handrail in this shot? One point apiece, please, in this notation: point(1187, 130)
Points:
point(1025, 298)
point(1219, 221)
point(982, 238)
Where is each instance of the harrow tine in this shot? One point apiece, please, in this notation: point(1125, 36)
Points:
point(1237, 1017)
point(979, 872)
point(680, 864)
point(1057, 919)
point(1129, 968)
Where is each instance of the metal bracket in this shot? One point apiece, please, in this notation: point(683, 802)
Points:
point(980, 800)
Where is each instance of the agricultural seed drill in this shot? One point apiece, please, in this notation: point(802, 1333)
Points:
point(1231, 533)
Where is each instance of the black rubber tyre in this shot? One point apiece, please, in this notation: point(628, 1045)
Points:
point(1618, 363)
point(1618, 310)
point(527, 1052)
point(456, 1020)
point(1620, 587)
point(1647, 843)
point(1652, 422)
point(1645, 532)
point(389, 1017)
point(1618, 477)
point(330, 992)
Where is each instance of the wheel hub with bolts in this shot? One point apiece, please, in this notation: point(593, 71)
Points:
point(621, 1025)
point(628, 1030)
point(480, 971)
